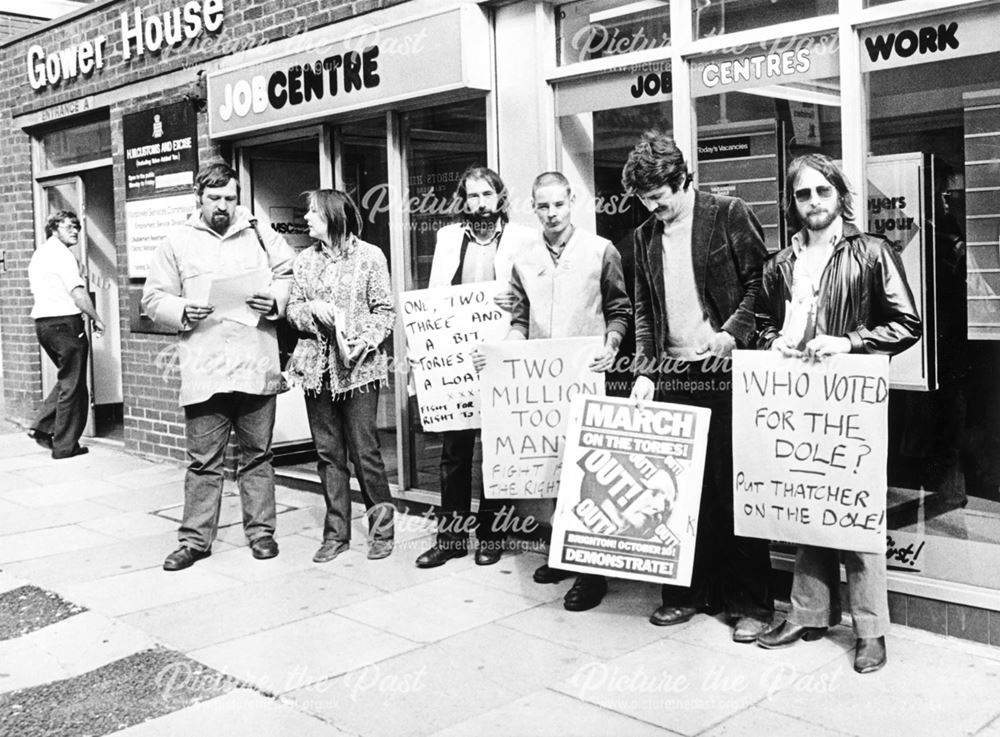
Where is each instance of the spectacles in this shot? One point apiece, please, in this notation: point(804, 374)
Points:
point(823, 191)
point(69, 226)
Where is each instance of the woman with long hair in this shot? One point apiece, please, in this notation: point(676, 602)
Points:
point(341, 304)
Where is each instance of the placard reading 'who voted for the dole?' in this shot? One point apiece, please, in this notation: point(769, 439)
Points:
point(527, 387)
point(630, 490)
point(442, 327)
point(809, 449)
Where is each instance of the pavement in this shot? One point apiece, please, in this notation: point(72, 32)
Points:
point(95, 638)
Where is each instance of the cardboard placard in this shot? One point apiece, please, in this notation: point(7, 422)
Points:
point(630, 490)
point(809, 449)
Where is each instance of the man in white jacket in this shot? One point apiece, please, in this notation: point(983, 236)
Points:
point(480, 247)
point(228, 358)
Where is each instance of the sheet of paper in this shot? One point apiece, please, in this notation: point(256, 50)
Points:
point(228, 296)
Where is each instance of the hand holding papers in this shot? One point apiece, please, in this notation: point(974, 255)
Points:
point(228, 296)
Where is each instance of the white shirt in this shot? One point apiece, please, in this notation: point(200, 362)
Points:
point(807, 272)
point(52, 274)
point(687, 325)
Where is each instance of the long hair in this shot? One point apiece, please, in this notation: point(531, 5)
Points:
point(343, 219)
point(825, 166)
point(655, 162)
point(57, 218)
point(214, 175)
point(488, 175)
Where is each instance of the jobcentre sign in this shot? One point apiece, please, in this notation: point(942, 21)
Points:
point(351, 66)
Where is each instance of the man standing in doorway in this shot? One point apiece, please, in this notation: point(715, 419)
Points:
point(228, 362)
point(698, 262)
point(568, 283)
point(480, 247)
point(61, 299)
point(834, 290)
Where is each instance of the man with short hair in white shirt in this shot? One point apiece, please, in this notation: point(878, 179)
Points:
point(61, 300)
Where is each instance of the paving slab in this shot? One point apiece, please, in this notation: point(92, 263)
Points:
point(117, 695)
point(397, 572)
point(245, 610)
point(112, 558)
point(67, 648)
point(300, 653)
point(549, 713)
point(924, 689)
point(138, 590)
point(445, 606)
point(128, 525)
point(528, 662)
point(428, 689)
point(601, 632)
point(758, 721)
point(239, 713)
point(144, 497)
point(40, 543)
point(295, 555)
point(674, 685)
point(15, 518)
point(66, 491)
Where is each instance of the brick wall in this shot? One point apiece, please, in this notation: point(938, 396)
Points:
point(153, 421)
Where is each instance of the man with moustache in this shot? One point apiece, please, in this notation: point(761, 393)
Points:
point(61, 300)
point(698, 261)
point(480, 247)
point(568, 283)
point(229, 364)
point(834, 290)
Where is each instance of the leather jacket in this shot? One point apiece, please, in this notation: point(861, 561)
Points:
point(863, 296)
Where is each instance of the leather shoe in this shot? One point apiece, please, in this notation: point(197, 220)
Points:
point(79, 450)
point(44, 439)
point(747, 629)
point(264, 547)
point(869, 654)
point(546, 574)
point(441, 553)
point(379, 549)
point(184, 557)
point(329, 550)
point(488, 553)
point(587, 592)
point(667, 615)
point(787, 634)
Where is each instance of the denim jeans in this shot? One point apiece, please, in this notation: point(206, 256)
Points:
point(816, 590)
point(63, 414)
point(345, 428)
point(209, 425)
point(461, 470)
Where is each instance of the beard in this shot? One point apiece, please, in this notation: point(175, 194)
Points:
point(821, 219)
point(220, 221)
point(482, 220)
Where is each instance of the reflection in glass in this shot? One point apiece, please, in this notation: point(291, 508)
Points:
point(597, 29)
point(77, 144)
point(716, 17)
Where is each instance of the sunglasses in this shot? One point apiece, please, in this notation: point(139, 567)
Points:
point(824, 191)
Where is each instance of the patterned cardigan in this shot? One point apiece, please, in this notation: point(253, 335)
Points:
point(356, 281)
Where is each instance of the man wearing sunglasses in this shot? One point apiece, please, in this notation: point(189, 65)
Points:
point(698, 260)
point(834, 290)
point(61, 301)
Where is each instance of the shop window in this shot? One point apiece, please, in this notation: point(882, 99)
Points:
point(76, 144)
point(441, 142)
point(716, 17)
point(934, 189)
point(758, 108)
point(597, 29)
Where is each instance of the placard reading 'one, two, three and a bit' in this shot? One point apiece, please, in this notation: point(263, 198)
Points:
point(809, 449)
point(630, 490)
point(527, 386)
point(442, 327)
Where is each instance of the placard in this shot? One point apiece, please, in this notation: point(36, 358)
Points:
point(442, 327)
point(809, 449)
point(527, 387)
point(630, 490)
